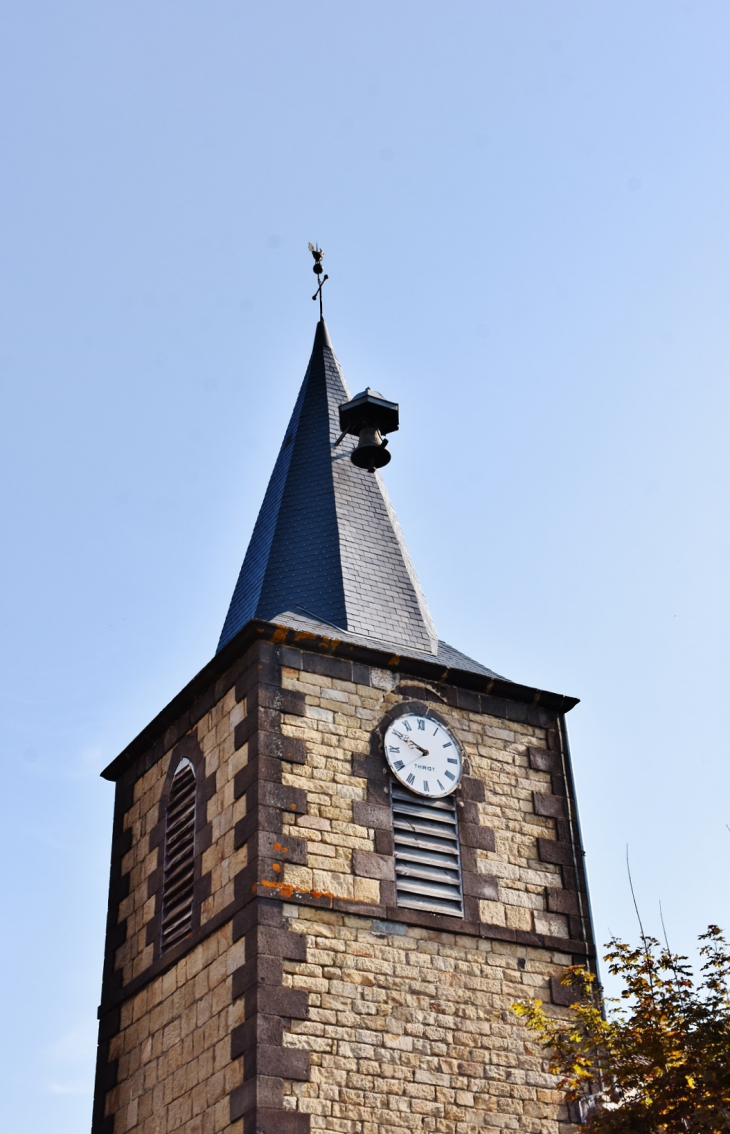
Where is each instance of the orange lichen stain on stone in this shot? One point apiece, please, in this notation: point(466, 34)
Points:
point(279, 847)
point(307, 636)
point(286, 891)
point(275, 866)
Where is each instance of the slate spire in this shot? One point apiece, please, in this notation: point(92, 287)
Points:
point(327, 544)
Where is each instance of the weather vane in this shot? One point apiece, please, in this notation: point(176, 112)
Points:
point(318, 254)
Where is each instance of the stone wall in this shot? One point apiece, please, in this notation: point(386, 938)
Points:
point(406, 1026)
point(411, 1030)
point(336, 719)
point(214, 737)
point(173, 1048)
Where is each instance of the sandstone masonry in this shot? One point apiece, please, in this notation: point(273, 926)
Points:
point(304, 998)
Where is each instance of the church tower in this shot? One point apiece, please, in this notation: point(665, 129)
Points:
point(344, 849)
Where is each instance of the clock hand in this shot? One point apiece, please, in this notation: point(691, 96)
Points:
point(413, 759)
point(412, 743)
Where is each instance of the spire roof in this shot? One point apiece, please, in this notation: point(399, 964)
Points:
point(327, 545)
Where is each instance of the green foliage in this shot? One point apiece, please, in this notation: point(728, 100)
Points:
point(659, 1057)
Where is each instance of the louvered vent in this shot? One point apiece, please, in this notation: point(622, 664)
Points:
point(177, 886)
point(427, 862)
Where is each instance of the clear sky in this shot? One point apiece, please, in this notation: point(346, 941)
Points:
point(524, 207)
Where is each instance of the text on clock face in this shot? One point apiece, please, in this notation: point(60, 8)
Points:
point(423, 755)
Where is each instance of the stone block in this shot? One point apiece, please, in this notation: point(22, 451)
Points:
point(292, 1002)
point(369, 865)
point(280, 796)
point(371, 815)
point(327, 666)
point(273, 942)
point(561, 901)
point(259, 970)
point(473, 789)
point(551, 851)
point(542, 760)
point(279, 747)
point(282, 700)
point(553, 806)
point(561, 994)
point(259, 1029)
point(285, 1062)
point(259, 1091)
point(481, 886)
point(481, 838)
point(269, 1121)
point(282, 848)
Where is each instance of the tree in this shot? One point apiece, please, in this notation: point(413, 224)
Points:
point(658, 1058)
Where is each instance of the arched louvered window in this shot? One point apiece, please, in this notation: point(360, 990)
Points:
point(426, 849)
point(179, 867)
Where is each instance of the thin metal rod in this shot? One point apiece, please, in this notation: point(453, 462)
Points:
point(318, 292)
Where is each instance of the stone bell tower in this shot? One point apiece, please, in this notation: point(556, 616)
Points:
point(300, 937)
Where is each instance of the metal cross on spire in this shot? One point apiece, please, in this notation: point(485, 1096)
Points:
point(318, 254)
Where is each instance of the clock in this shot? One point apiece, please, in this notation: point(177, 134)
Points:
point(423, 755)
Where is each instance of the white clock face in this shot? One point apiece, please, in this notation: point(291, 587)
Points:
point(423, 755)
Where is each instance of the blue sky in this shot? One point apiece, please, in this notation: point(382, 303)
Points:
point(524, 208)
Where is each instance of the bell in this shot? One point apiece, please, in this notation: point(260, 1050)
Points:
point(368, 416)
point(371, 452)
